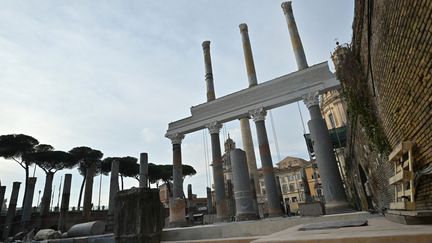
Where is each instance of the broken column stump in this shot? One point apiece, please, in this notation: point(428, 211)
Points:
point(138, 216)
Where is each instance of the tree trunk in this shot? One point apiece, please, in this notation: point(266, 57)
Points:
point(81, 192)
point(26, 183)
point(46, 198)
point(121, 176)
point(88, 192)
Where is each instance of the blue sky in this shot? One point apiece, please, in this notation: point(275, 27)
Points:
point(112, 74)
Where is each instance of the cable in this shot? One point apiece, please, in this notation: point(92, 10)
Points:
point(274, 135)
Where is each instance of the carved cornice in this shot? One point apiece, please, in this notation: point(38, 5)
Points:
point(311, 99)
point(258, 114)
point(176, 138)
point(214, 127)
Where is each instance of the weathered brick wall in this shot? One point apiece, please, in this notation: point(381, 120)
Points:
point(394, 41)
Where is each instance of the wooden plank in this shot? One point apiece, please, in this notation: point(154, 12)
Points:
point(402, 176)
point(402, 205)
point(400, 149)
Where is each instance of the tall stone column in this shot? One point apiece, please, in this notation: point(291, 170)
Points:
point(2, 194)
point(334, 192)
point(244, 122)
point(64, 208)
point(143, 170)
point(245, 206)
point(218, 177)
point(295, 37)
point(209, 201)
point(247, 50)
point(114, 185)
point(190, 204)
point(11, 209)
point(177, 203)
point(208, 71)
point(274, 208)
point(250, 153)
point(28, 201)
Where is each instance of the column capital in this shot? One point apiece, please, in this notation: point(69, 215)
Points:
point(258, 114)
point(243, 27)
point(311, 99)
point(214, 127)
point(176, 138)
point(286, 7)
point(206, 44)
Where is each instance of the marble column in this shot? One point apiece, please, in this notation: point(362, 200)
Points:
point(244, 122)
point(294, 35)
point(334, 192)
point(64, 208)
point(114, 186)
point(11, 209)
point(245, 206)
point(28, 201)
point(218, 177)
point(143, 170)
point(273, 202)
point(250, 153)
point(208, 71)
point(176, 202)
point(2, 194)
point(247, 50)
point(209, 201)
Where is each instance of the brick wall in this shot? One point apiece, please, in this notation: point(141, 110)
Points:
point(393, 40)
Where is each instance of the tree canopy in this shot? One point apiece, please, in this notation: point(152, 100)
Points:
point(128, 166)
point(52, 161)
point(165, 172)
point(15, 146)
point(86, 156)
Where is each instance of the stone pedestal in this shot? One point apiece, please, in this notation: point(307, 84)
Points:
point(28, 201)
point(64, 208)
point(138, 216)
point(311, 209)
point(11, 210)
point(245, 207)
point(177, 216)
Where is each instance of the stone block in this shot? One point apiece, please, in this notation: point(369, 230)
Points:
point(46, 234)
point(86, 229)
point(311, 209)
point(138, 216)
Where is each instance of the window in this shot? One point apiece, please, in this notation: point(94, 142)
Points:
point(294, 199)
point(291, 187)
point(332, 120)
point(284, 188)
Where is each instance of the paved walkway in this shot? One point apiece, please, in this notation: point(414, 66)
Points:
point(378, 230)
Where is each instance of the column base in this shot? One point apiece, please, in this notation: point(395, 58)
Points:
point(336, 207)
point(177, 216)
point(246, 216)
point(275, 212)
point(222, 211)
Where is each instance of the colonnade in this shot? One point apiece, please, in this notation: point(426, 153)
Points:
point(333, 189)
